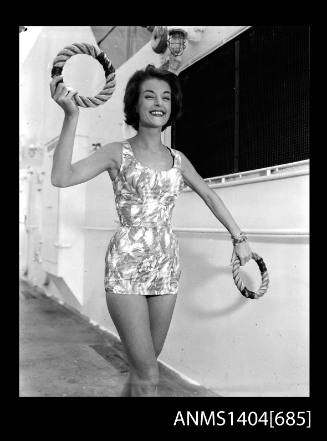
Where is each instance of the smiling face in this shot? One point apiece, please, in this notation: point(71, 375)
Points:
point(154, 104)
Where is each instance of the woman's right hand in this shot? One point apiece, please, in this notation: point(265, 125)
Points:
point(64, 96)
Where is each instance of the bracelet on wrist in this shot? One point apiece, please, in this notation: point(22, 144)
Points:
point(239, 238)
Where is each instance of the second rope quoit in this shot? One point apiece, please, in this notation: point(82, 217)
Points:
point(239, 283)
point(109, 70)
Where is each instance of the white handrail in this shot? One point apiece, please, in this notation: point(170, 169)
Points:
point(273, 168)
point(249, 231)
point(266, 174)
point(240, 180)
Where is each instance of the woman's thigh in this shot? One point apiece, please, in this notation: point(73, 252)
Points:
point(130, 314)
point(161, 310)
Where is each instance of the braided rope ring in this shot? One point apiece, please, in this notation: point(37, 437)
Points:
point(86, 48)
point(159, 39)
point(239, 283)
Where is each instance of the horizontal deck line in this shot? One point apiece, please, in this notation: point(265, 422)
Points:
point(253, 232)
point(242, 180)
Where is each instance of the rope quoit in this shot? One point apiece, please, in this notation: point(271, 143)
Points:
point(239, 283)
point(101, 57)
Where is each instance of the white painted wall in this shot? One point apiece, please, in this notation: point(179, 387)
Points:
point(70, 239)
point(234, 345)
point(40, 122)
point(31, 239)
point(23, 212)
point(50, 218)
point(217, 338)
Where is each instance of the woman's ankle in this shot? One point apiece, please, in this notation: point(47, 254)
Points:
point(143, 389)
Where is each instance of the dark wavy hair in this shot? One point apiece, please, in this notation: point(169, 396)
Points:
point(132, 93)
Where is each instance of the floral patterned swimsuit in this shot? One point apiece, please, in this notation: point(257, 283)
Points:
point(142, 257)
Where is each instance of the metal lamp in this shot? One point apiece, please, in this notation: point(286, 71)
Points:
point(176, 40)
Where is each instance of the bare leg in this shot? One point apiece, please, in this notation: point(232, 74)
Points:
point(161, 310)
point(130, 315)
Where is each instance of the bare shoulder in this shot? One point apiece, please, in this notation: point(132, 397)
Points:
point(113, 147)
point(182, 155)
point(192, 178)
point(113, 151)
point(185, 162)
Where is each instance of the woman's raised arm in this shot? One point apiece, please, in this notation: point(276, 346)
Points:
point(64, 173)
point(106, 157)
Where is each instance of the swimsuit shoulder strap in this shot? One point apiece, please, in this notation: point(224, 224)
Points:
point(127, 147)
point(177, 156)
point(127, 152)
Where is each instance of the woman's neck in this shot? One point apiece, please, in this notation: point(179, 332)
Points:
point(148, 139)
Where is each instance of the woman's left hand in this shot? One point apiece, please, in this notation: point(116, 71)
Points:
point(243, 252)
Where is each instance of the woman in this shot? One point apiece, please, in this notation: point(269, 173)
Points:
point(142, 267)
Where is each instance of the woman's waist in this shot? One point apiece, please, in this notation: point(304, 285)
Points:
point(144, 239)
point(155, 219)
point(145, 224)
